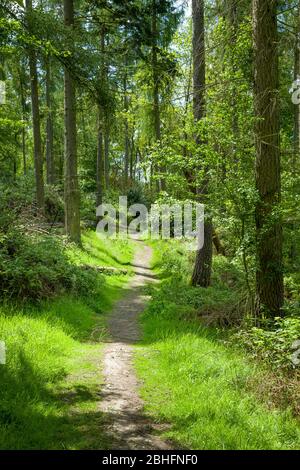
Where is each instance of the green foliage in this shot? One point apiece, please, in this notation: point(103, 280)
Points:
point(196, 381)
point(54, 205)
point(275, 345)
point(36, 264)
point(50, 382)
point(37, 267)
point(196, 362)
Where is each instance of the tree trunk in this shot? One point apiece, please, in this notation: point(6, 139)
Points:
point(105, 44)
point(126, 130)
point(220, 249)
point(132, 153)
point(269, 277)
point(156, 104)
point(233, 23)
point(49, 125)
point(106, 152)
point(100, 159)
point(24, 119)
point(37, 142)
point(103, 129)
point(293, 250)
point(72, 194)
point(202, 269)
point(156, 101)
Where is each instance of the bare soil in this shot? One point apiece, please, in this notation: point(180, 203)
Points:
point(125, 423)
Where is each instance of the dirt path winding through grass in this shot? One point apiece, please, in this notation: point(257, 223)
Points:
point(125, 424)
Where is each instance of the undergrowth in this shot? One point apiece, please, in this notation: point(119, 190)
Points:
point(199, 378)
point(50, 382)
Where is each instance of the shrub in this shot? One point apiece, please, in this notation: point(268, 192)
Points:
point(37, 266)
point(273, 345)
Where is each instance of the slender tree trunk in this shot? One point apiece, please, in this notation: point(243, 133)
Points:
point(126, 130)
point(100, 159)
point(296, 77)
point(72, 193)
point(293, 250)
point(233, 22)
point(101, 145)
point(269, 277)
point(203, 264)
point(106, 117)
point(2, 71)
point(156, 101)
point(24, 119)
point(220, 249)
point(186, 106)
point(49, 125)
point(132, 152)
point(37, 142)
point(106, 154)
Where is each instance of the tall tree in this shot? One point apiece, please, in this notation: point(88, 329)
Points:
point(202, 269)
point(156, 104)
point(155, 78)
point(49, 124)
point(269, 276)
point(100, 158)
point(22, 85)
point(72, 193)
point(37, 142)
point(101, 117)
point(296, 153)
point(126, 125)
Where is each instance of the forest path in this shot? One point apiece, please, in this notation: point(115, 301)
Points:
point(125, 423)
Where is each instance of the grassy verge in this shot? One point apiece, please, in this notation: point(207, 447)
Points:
point(196, 382)
point(51, 382)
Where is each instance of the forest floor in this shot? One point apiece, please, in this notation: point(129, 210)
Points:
point(125, 423)
point(207, 391)
point(51, 383)
point(132, 367)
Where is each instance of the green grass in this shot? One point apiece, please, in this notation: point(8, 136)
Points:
point(198, 384)
point(102, 251)
point(51, 382)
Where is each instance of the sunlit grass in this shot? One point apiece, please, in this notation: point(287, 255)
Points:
point(102, 251)
point(50, 384)
point(199, 385)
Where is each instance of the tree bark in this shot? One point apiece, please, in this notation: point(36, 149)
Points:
point(49, 125)
point(104, 47)
point(24, 118)
point(72, 194)
point(106, 152)
point(156, 100)
point(102, 115)
point(203, 263)
point(37, 142)
point(126, 129)
point(233, 23)
point(293, 250)
point(269, 277)
point(156, 104)
point(100, 159)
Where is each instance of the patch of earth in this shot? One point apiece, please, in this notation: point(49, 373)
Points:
point(125, 422)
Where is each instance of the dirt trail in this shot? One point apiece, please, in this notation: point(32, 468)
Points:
point(126, 425)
